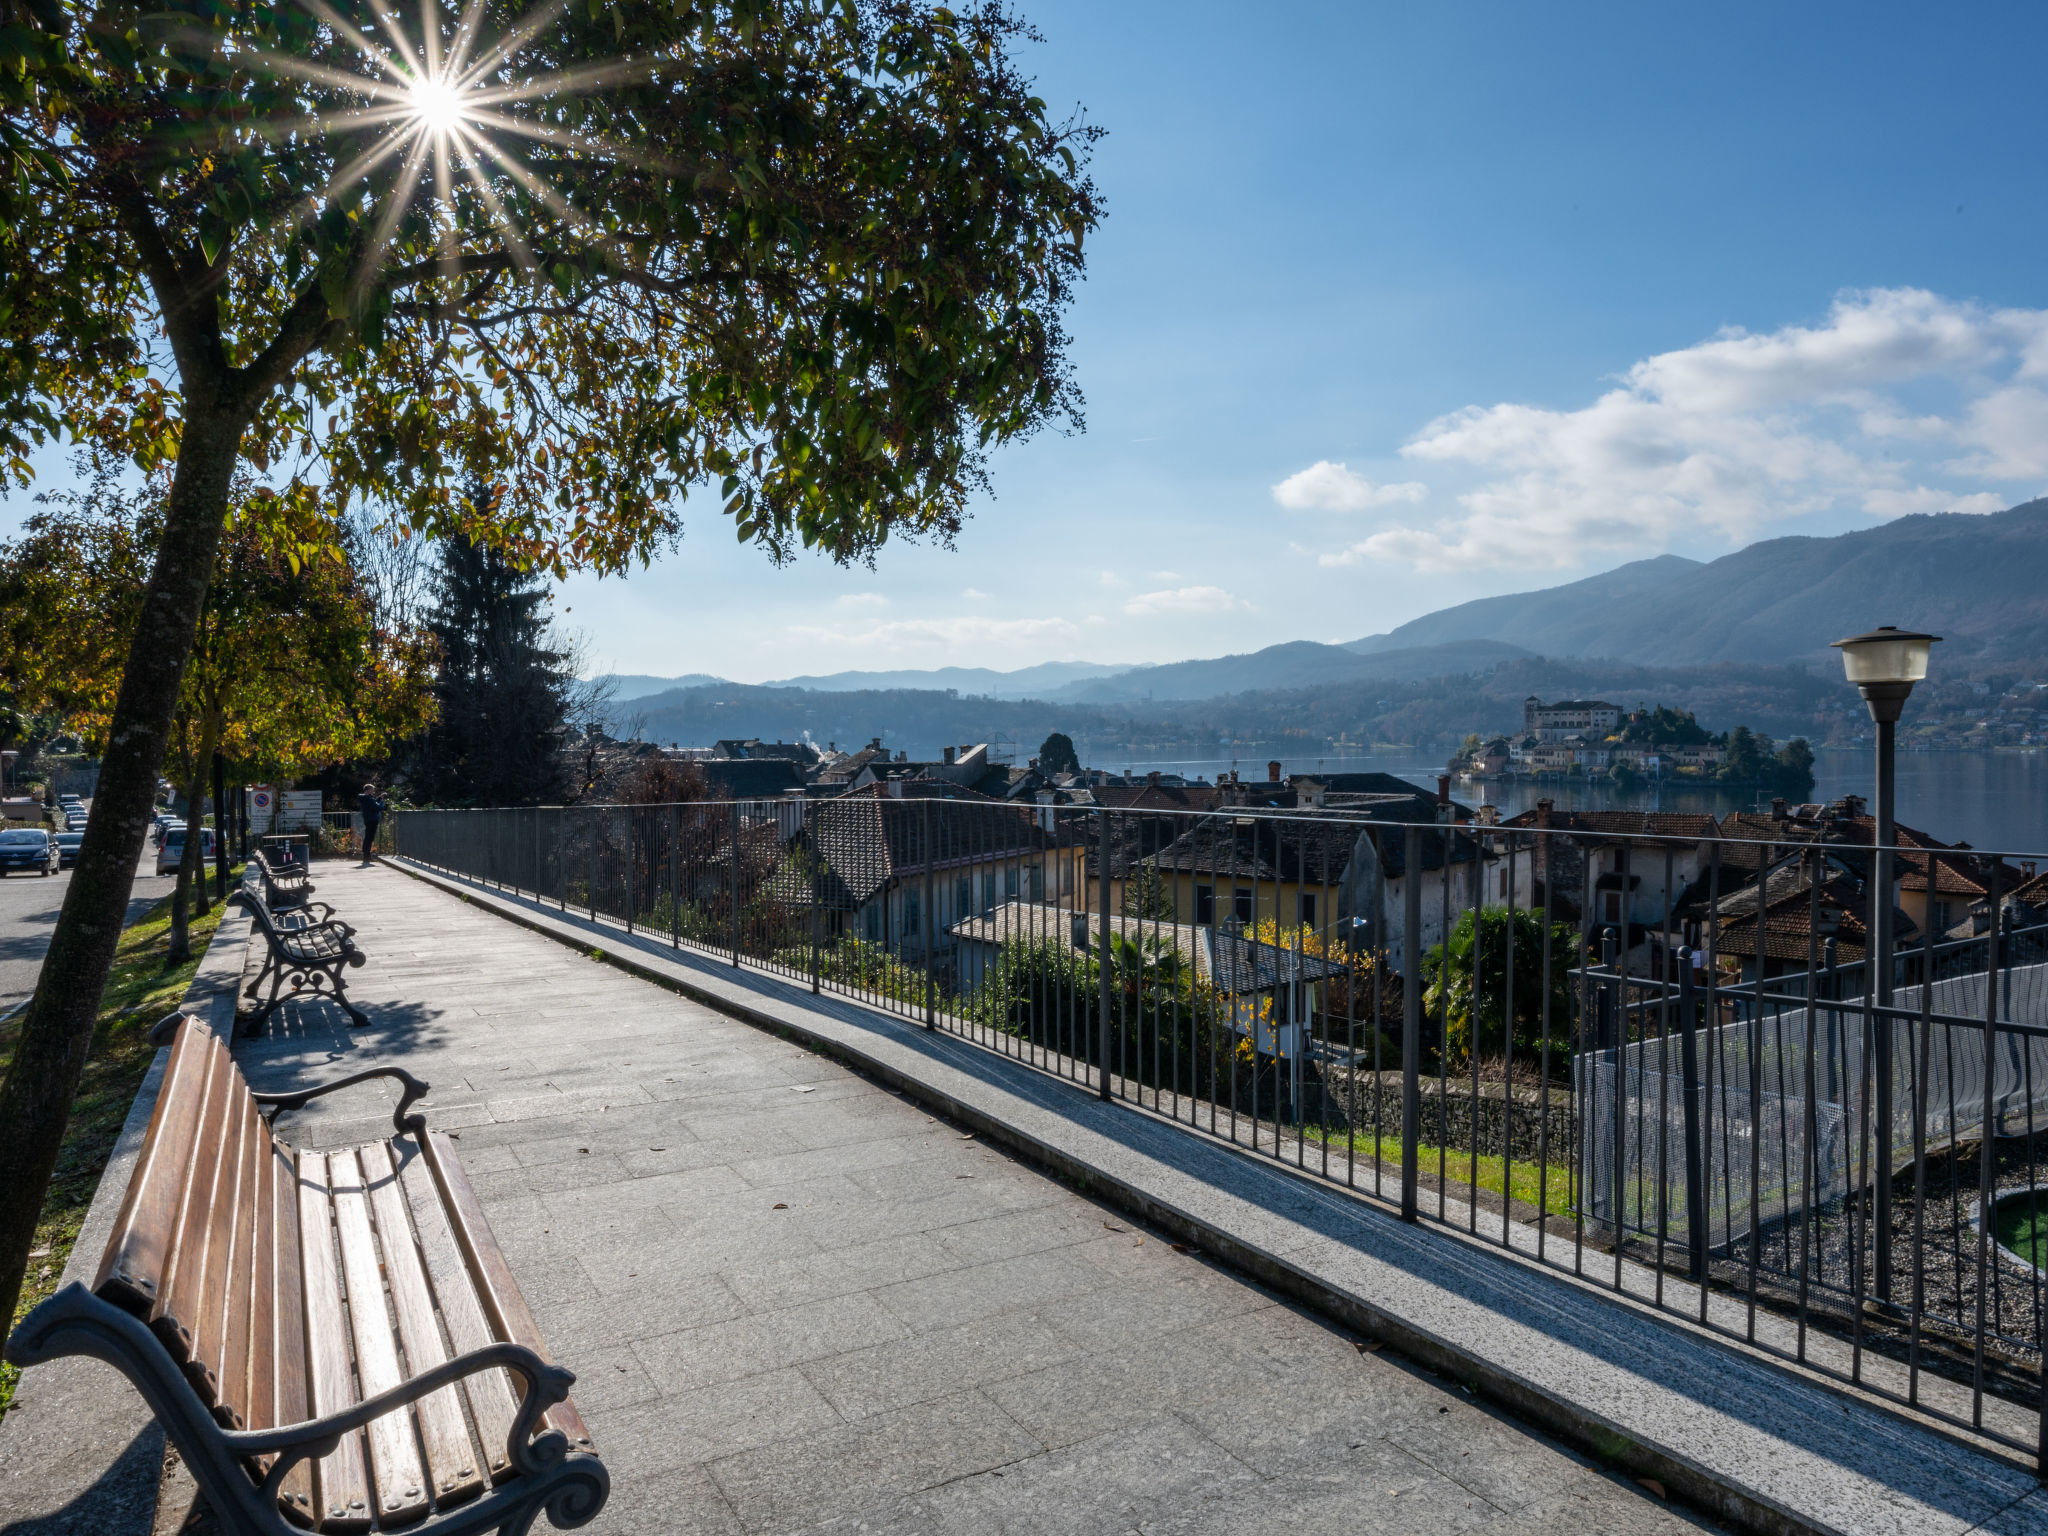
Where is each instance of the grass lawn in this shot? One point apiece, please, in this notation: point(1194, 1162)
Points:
point(2021, 1224)
point(140, 991)
point(1525, 1185)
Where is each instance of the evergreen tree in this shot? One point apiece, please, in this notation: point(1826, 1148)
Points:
point(1056, 754)
point(504, 688)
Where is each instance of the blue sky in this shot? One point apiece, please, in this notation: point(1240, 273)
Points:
point(1334, 228)
point(1396, 306)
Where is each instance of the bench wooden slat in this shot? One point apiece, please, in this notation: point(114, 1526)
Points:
point(290, 1402)
point(286, 1286)
point(133, 1265)
point(454, 1469)
point(492, 1400)
point(344, 1496)
point(182, 1299)
point(395, 1470)
point(496, 1289)
point(217, 1353)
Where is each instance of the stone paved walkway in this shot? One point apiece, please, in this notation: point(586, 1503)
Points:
point(796, 1302)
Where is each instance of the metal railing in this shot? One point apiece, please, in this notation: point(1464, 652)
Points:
point(1588, 1048)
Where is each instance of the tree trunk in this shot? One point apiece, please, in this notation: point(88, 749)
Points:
point(189, 899)
point(57, 1030)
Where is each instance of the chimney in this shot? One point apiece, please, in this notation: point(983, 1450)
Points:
point(1543, 810)
point(1778, 809)
point(1034, 763)
point(1443, 790)
point(875, 745)
point(949, 755)
point(1272, 773)
point(1152, 778)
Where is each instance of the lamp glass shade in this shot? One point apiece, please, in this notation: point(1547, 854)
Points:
point(1886, 655)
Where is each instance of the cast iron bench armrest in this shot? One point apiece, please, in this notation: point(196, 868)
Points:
point(415, 1125)
point(545, 1386)
point(77, 1322)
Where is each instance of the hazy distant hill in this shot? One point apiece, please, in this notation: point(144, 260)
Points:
point(1979, 581)
point(1024, 683)
point(637, 685)
point(1291, 664)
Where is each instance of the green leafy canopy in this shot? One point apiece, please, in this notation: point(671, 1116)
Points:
point(811, 256)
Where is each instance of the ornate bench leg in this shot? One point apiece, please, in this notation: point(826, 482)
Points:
point(341, 994)
point(76, 1322)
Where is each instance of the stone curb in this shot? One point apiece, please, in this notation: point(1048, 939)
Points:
point(1620, 1446)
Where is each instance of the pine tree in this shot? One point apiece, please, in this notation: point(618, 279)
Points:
point(504, 688)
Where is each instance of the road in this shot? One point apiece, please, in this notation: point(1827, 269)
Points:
point(28, 915)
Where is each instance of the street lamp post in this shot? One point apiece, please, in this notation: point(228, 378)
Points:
point(1884, 665)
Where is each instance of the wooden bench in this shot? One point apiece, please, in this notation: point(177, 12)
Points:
point(284, 885)
point(325, 1336)
point(306, 954)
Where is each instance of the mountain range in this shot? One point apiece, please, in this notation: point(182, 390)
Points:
point(1979, 581)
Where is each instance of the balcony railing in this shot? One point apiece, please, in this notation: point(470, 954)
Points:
point(1591, 1049)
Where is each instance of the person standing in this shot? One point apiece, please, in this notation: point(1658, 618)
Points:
point(370, 805)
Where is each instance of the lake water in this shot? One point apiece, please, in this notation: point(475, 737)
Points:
point(1990, 800)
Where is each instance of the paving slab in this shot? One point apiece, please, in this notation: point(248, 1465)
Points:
point(1761, 1445)
point(844, 1314)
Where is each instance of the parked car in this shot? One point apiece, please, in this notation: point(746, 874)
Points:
point(163, 823)
point(27, 848)
point(172, 852)
point(67, 848)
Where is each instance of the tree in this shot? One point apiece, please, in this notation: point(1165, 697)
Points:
point(1056, 754)
point(1791, 771)
point(817, 256)
point(289, 670)
point(504, 687)
point(1466, 983)
point(1742, 761)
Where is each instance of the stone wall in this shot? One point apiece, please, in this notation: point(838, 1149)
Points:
point(1513, 1124)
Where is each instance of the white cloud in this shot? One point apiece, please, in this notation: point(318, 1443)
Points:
point(973, 593)
point(1185, 600)
point(1330, 487)
point(861, 601)
point(1901, 401)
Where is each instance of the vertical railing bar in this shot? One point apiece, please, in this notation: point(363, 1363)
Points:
point(1663, 1072)
point(1810, 1161)
point(1102, 1028)
point(1507, 1062)
point(1411, 1020)
point(1445, 849)
point(1543, 1066)
point(925, 914)
point(1923, 1061)
point(1987, 1166)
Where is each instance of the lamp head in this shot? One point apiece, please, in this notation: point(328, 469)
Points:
point(1884, 665)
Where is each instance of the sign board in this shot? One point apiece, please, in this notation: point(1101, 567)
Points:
point(283, 810)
